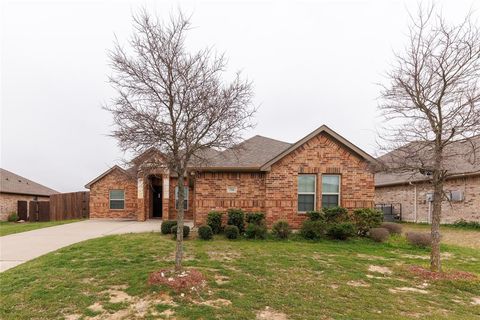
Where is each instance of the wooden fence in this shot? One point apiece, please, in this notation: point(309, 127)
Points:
point(62, 206)
point(73, 205)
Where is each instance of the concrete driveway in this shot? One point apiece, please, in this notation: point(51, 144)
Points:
point(18, 248)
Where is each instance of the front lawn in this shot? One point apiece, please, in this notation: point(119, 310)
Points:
point(357, 279)
point(450, 235)
point(16, 227)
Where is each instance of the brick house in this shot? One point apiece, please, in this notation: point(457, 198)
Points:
point(411, 194)
point(281, 179)
point(14, 188)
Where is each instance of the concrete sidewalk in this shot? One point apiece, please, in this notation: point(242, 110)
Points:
point(18, 248)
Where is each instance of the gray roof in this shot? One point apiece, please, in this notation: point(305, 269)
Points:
point(13, 183)
point(459, 161)
point(250, 154)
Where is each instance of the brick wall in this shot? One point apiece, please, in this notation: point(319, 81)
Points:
point(468, 209)
point(275, 192)
point(8, 203)
point(320, 155)
point(211, 192)
point(99, 196)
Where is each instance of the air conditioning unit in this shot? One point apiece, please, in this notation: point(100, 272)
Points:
point(456, 195)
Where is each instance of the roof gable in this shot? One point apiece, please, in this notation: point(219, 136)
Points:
point(112, 169)
point(350, 146)
point(13, 183)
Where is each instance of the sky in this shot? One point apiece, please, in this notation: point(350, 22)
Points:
point(311, 62)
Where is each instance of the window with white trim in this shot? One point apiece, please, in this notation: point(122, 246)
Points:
point(117, 199)
point(330, 190)
point(307, 188)
point(185, 198)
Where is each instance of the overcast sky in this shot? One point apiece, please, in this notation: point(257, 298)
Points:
point(312, 63)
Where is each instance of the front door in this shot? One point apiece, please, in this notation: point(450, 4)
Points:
point(157, 202)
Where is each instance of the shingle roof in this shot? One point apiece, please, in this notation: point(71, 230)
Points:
point(458, 161)
point(250, 154)
point(13, 183)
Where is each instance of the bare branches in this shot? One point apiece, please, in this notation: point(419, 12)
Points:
point(433, 96)
point(432, 104)
point(171, 99)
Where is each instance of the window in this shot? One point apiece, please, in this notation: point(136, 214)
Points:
point(117, 199)
point(185, 201)
point(330, 191)
point(306, 192)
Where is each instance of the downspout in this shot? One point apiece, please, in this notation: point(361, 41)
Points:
point(414, 201)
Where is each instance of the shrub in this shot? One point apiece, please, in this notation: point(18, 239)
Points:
point(419, 239)
point(313, 229)
point(12, 217)
point(256, 231)
point(255, 217)
point(186, 231)
point(462, 223)
point(236, 217)
point(167, 225)
point(341, 231)
point(214, 220)
point(393, 228)
point(315, 215)
point(335, 214)
point(379, 234)
point(281, 229)
point(205, 232)
point(231, 232)
point(366, 219)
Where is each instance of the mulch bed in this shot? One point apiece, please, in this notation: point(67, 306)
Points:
point(186, 280)
point(450, 275)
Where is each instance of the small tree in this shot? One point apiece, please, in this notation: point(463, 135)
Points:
point(174, 100)
point(431, 103)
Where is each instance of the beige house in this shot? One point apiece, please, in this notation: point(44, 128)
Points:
point(14, 188)
point(410, 194)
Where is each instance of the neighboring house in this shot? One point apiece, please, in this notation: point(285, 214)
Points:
point(281, 179)
point(14, 188)
point(411, 194)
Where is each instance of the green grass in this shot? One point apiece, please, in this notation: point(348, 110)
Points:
point(15, 227)
point(304, 280)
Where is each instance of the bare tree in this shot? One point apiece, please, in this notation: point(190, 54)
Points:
point(432, 102)
point(174, 100)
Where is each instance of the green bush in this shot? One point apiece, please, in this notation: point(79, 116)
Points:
point(393, 228)
point(236, 217)
point(12, 217)
point(186, 231)
point(462, 223)
point(255, 217)
point(315, 215)
point(379, 234)
point(214, 220)
point(281, 229)
point(167, 225)
point(366, 219)
point(256, 231)
point(335, 214)
point(313, 230)
point(231, 232)
point(205, 232)
point(341, 231)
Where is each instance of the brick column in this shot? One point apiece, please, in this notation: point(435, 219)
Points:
point(166, 196)
point(141, 203)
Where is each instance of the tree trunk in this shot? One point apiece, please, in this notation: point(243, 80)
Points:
point(180, 214)
point(435, 264)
